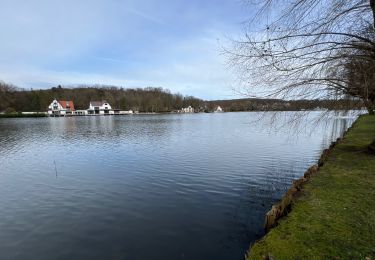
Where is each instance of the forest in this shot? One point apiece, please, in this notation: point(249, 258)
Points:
point(148, 99)
point(158, 100)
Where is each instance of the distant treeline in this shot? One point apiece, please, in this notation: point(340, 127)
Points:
point(253, 104)
point(149, 99)
point(142, 100)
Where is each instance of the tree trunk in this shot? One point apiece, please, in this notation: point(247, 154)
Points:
point(371, 111)
point(372, 4)
point(371, 107)
point(371, 147)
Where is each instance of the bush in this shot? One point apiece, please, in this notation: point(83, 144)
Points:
point(10, 110)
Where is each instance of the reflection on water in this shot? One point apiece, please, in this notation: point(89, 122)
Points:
point(146, 187)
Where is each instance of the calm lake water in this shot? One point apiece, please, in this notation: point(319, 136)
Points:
point(191, 186)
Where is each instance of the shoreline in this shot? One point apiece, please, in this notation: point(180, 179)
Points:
point(44, 114)
point(40, 115)
point(300, 226)
point(282, 208)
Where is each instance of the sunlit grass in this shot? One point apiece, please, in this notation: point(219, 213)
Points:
point(335, 216)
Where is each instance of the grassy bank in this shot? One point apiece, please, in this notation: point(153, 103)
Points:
point(334, 217)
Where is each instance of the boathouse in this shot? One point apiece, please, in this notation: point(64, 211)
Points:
point(188, 109)
point(218, 109)
point(100, 108)
point(61, 108)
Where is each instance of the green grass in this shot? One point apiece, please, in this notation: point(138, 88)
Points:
point(334, 218)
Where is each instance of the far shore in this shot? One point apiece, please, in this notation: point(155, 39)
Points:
point(44, 114)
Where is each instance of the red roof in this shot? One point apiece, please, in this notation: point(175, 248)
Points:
point(67, 104)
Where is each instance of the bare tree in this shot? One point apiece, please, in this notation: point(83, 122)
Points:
point(6, 91)
point(309, 49)
point(358, 73)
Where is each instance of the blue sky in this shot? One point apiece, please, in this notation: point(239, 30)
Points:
point(172, 44)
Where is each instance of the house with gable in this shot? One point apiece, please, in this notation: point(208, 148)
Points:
point(100, 108)
point(188, 109)
point(61, 108)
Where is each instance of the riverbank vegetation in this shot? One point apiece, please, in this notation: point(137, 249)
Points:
point(158, 100)
point(143, 100)
point(257, 104)
point(19, 115)
point(334, 215)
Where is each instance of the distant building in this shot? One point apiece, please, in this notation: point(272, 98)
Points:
point(129, 112)
point(61, 108)
point(188, 109)
point(80, 112)
point(66, 108)
point(100, 108)
point(218, 109)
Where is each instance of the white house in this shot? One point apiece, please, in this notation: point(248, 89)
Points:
point(100, 108)
point(188, 109)
point(61, 108)
point(218, 109)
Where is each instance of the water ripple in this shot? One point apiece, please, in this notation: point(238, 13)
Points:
point(181, 186)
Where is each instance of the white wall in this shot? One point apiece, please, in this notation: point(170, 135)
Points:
point(59, 107)
point(104, 106)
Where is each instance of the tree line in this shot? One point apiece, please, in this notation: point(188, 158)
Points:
point(138, 99)
point(158, 100)
point(256, 104)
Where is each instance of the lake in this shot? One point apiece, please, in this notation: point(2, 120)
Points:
point(190, 186)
